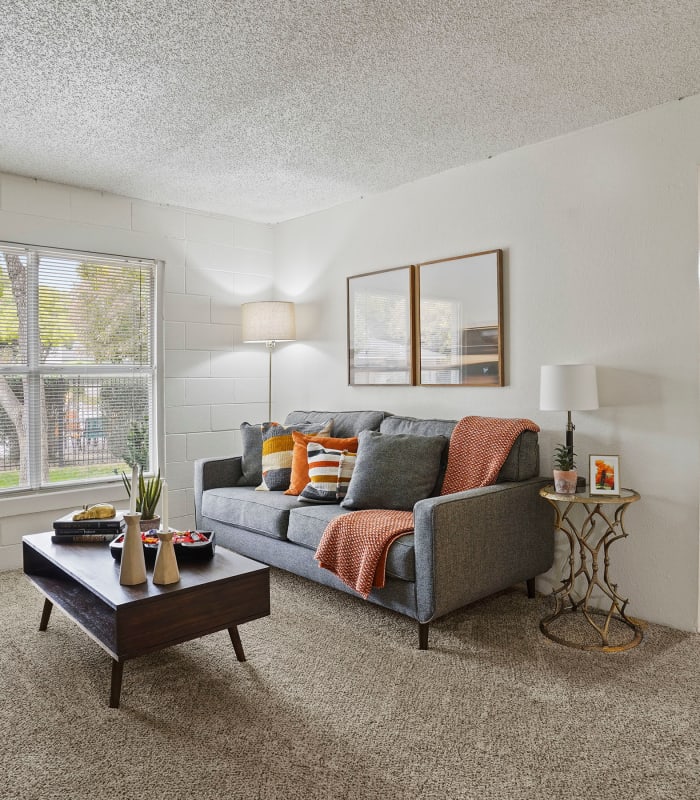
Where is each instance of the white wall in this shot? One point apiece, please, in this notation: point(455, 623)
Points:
point(212, 264)
point(600, 237)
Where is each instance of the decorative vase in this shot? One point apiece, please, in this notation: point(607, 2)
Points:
point(565, 481)
point(132, 570)
point(150, 524)
point(166, 570)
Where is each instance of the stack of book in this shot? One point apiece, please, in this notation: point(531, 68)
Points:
point(66, 529)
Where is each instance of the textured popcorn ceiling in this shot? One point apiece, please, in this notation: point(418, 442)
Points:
point(270, 109)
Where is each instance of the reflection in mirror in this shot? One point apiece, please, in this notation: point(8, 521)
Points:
point(459, 321)
point(379, 328)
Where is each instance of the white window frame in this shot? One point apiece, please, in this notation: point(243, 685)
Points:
point(35, 369)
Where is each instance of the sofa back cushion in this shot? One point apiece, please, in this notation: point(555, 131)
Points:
point(345, 423)
point(523, 461)
point(417, 427)
point(394, 471)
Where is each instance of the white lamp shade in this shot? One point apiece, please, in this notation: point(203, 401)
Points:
point(568, 387)
point(268, 321)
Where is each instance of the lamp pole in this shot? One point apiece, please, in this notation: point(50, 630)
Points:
point(570, 428)
point(270, 344)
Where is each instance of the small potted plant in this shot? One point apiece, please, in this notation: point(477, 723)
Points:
point(565, 474)
point(147, 498)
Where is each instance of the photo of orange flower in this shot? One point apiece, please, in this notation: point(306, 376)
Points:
point(604, 474)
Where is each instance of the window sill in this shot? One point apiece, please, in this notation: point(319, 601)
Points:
point(54, 500)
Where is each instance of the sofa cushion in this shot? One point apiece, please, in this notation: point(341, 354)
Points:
point(307, 523)
point(300, 461)
point(329, 474)
point(345, 423)
point(261, 512)
point(394, 471)
point(278, 449)
point(523, 461)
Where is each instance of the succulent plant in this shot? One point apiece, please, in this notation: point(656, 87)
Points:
point(564, 458)
point(148, 493)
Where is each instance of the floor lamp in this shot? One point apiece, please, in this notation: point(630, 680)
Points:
point(569, 387)
point(268, 321)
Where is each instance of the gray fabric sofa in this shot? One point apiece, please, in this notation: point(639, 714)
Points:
point(464, 546)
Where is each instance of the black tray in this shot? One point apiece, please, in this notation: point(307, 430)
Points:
point(184, 551)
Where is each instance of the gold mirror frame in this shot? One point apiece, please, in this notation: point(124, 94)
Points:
point(459, 320)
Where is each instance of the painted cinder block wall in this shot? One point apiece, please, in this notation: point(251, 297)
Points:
point(211, 265)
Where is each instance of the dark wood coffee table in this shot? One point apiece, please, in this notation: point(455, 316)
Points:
point(129, 621)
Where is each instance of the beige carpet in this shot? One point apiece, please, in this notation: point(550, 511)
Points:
point(335, 701)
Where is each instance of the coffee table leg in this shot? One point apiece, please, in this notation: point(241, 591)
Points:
point(236, 641)
point(116, 687)
point(45, 614)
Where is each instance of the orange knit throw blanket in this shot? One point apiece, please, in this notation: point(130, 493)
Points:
point(354, 546)
point(479, 447)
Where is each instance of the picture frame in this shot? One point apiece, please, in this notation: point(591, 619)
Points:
point(604, 474)
point(459, 320)
point(380, 328)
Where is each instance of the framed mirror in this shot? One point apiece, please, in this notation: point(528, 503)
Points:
point(459, 320)
point(380, 328)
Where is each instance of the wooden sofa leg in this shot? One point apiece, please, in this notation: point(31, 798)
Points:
point(423, 628)
point(530, 587)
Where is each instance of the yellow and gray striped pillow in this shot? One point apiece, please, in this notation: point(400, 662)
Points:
point(277, 450)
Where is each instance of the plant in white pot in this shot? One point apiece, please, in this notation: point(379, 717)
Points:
point(565, 474)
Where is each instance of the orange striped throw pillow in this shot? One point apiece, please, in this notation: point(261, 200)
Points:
point(329, 474)
point(300, 463)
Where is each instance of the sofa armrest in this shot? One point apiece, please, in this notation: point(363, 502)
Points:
point(210, 473)
point(471, 544)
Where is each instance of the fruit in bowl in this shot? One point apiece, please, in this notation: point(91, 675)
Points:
point(189, 545)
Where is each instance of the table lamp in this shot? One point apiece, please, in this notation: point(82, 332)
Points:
point(268, 321)
point(569, 387)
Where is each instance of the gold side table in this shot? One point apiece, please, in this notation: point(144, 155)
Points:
point(586, 540)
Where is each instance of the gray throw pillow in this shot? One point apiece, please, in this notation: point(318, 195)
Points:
point(251, 460)
point(394, 471)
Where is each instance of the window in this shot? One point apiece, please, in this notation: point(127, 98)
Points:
point(78, 390)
